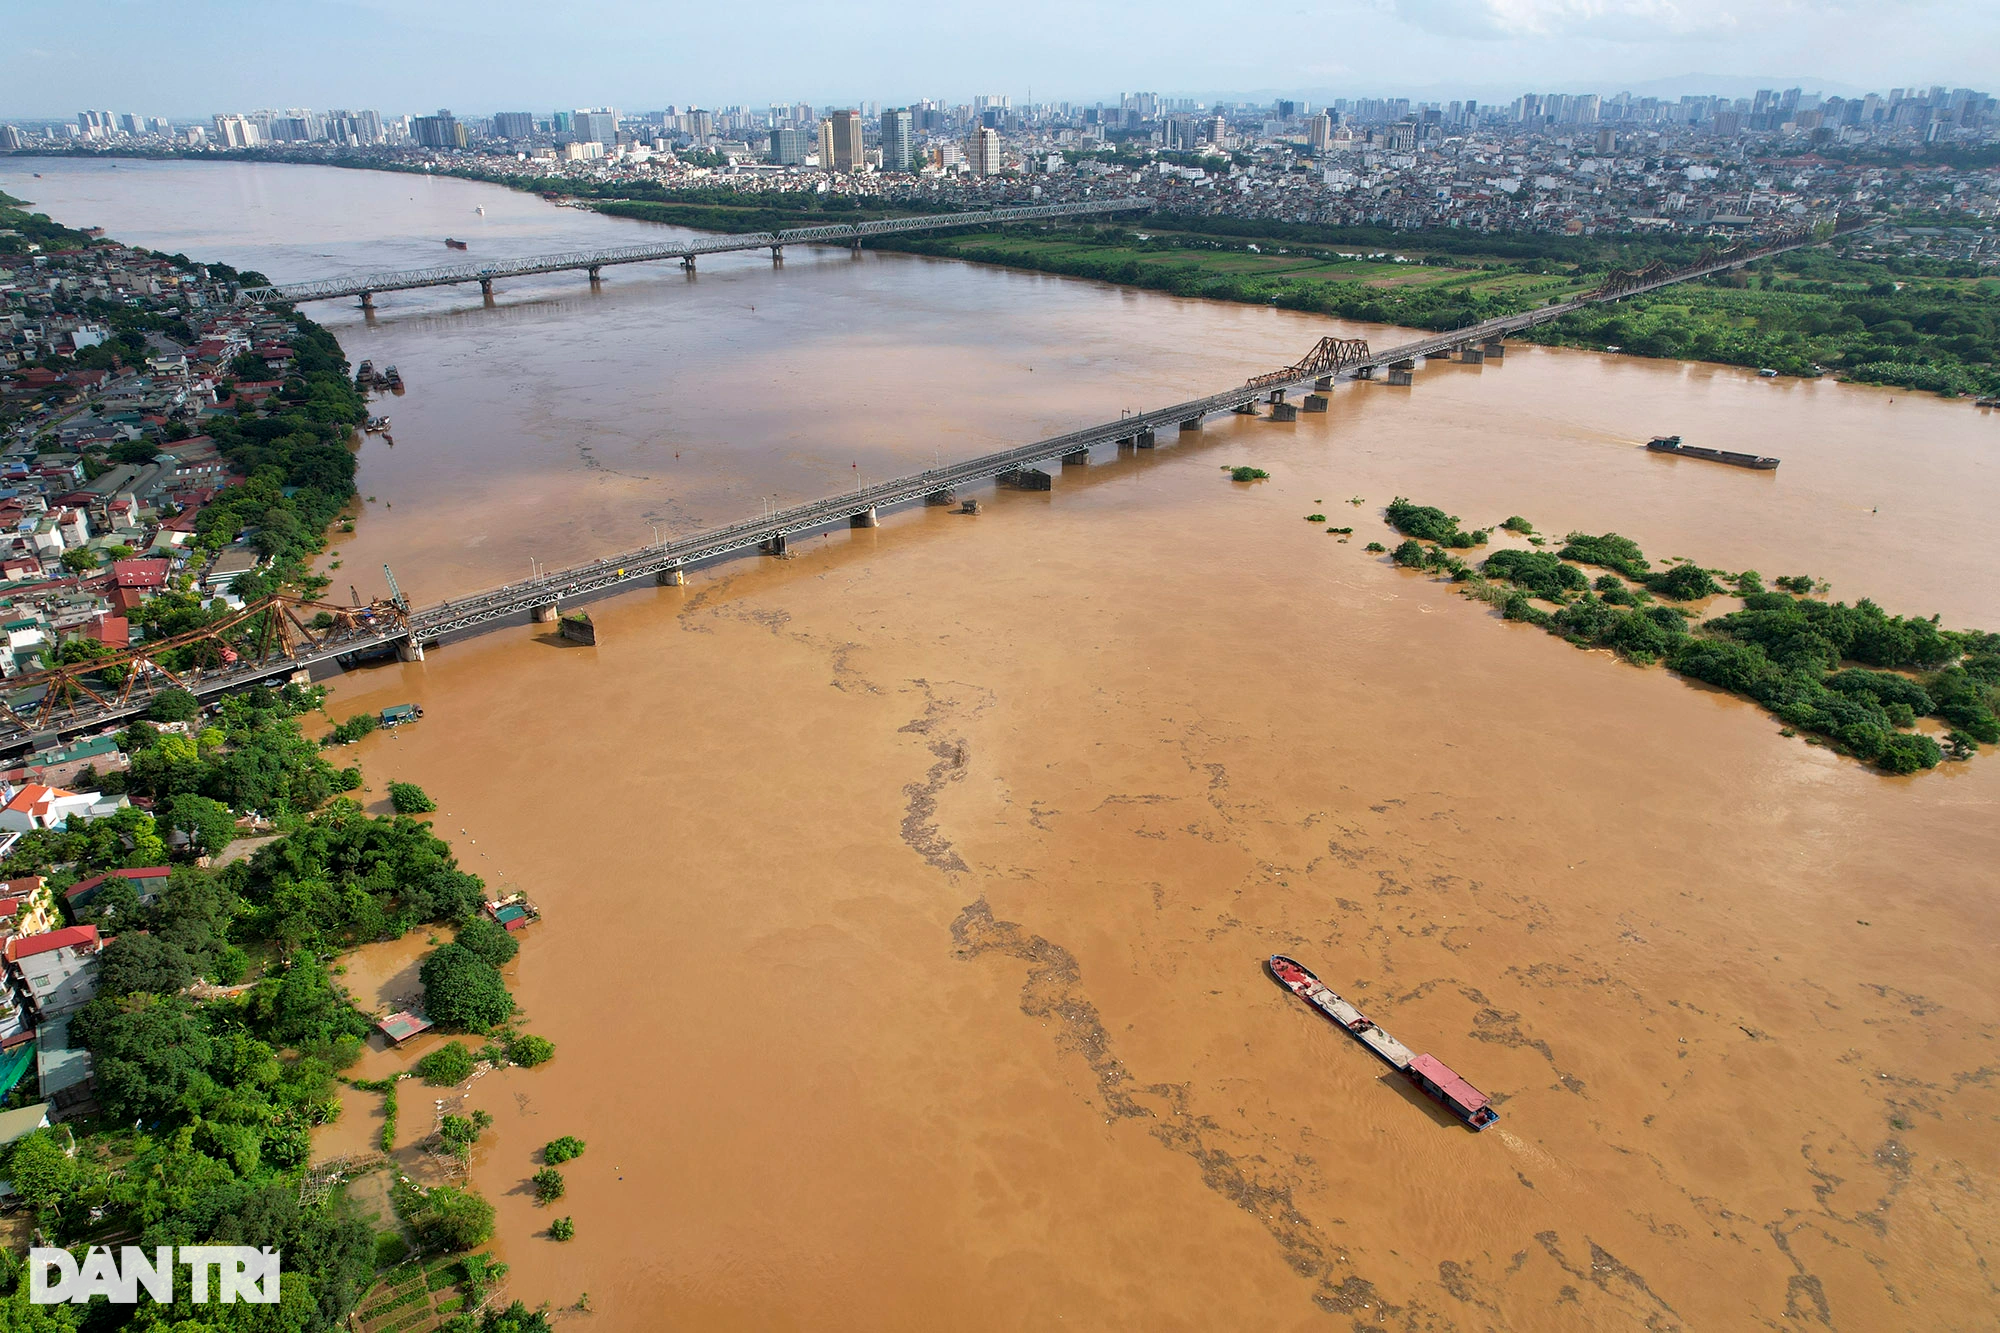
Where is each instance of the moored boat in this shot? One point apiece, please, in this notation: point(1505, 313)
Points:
point(1434, 1076)
point(1671, 444)
point(454, 244)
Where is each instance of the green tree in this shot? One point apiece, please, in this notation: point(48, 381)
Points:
point(40, 1170)
point(549, 1185)
point(489, 939)
point(463, 990)
point(452, 1219)
point(174, 705)
point(410, 799)
point(557, 1151)
point(449, 1064)
point(209, 824)
point(81, 560)
point(529, 1050)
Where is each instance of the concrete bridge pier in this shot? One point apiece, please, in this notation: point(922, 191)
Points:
point(1146, 439)
point(409, 650)
point(774, 545)
point(1284, 412)
point(486, 288)
point(687, 263)
point(1324, 384)
point(1471, 356)
point(673, 578)
point(1078, 457)
point(1495, 350)
point(1314, 403)
point(1191, 424)
point(593, 271)
point(865, 519)
point(368, 300)
point(942, 497)
point(1365, 373)
point(1401, 378)
point(545, 614)
point(777, 254)
point(1248, 409)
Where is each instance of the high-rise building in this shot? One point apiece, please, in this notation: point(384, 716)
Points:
point(844, 133)
point(10, 138)
point(700, 125)
point(826, 145)
point(984, 152)
point(599, 126)
point(514, 124)
point(439, 131)
point(788, 146)
point(1319, 132)
point(896, 134)
point(1287, 110)
point(237, 132)
point(562, 122)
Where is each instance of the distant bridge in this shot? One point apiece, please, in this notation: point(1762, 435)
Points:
point(487, 272)
point(275, 637)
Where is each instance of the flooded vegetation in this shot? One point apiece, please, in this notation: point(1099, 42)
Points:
point(904, 903)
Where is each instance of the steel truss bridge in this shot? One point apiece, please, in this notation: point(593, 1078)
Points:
point(274, 637)
point(487, 272)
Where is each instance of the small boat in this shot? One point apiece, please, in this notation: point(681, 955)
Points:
point(376, 425)
point(1988, 402)
point(481, 210)
point(1671, 444)
point(1765, 372)
point(392, 379)
point(454, 244)
point(1426, 1071)
point(397, 714)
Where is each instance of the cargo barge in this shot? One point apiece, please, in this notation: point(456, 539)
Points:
point(1426, 1071)
point(1671, 444)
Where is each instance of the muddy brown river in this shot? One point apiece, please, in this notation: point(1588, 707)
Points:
point(906, 901)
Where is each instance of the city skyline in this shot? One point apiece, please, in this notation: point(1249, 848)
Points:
point(367, 53)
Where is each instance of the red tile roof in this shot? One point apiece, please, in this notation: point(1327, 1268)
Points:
point(69, 937)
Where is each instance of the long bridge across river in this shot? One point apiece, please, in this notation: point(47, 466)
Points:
point(283, 636)
point(487, 272)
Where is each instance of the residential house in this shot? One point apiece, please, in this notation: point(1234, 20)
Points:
point(64, 1070)
point(148, 883)
point(55, 973)
point(27, 906)
point(33, 806)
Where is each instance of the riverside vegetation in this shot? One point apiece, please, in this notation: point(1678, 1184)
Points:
point(1913, 322)
point(1855, 677)
point(207, 1104)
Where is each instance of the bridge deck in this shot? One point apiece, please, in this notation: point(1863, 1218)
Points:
point(444, 275)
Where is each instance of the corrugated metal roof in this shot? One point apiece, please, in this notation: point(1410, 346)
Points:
point(1448, 1082)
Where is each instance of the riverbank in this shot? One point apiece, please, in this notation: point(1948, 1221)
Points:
point(1804, 313)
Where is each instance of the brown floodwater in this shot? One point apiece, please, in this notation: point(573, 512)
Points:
point(906, 901)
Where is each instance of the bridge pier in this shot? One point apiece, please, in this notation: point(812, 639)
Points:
point(486, 288)
point(593, 271)
point(1284, 412)
point(367, 300)
point(774, 545)
point(1026, 479)
point(1471, 356)
point(1402, 379)
point(940, 497)
point(1191, 424)
point(1077, 457)
point(1314, 403)
point(1495, 350)
point(409, 650)
point(1365, 373)
point(673, 578)
point(865, 519)
point(545, 614)
point(777, 254)
point(687, 262)
point(1146, 439)
point(1324, 384)
point(1248, 409)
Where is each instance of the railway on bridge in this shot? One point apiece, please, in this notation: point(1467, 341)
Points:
point(282, 636)
point(486, 272)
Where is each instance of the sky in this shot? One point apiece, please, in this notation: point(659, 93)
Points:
point(194, 58)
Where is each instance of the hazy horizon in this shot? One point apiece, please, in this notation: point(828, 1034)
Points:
point(211, 56)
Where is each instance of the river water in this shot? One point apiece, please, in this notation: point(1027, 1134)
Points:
point(906, 900)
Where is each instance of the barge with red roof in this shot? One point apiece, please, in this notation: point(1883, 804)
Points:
point(1436, 1078)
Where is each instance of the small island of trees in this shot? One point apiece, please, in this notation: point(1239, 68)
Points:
point(1854, 677)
